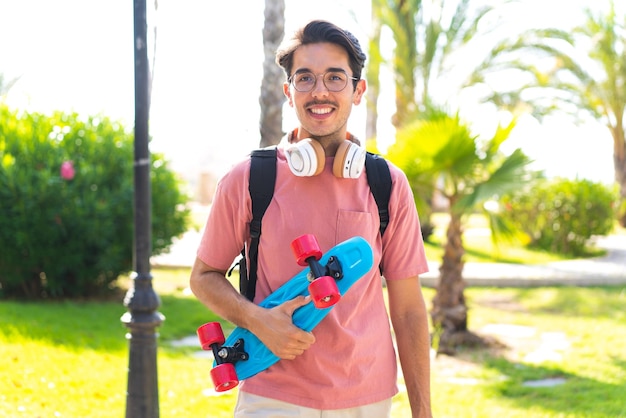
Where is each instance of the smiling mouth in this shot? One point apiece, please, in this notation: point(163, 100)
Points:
point(322, 110)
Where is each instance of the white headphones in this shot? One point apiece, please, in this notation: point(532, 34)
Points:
point(306, 158)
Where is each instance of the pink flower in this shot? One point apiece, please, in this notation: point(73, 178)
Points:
point(67, 170)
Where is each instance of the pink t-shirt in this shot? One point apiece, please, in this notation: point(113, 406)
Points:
point(353, 361)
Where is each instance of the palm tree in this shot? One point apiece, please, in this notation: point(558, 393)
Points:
point(403, 14)
point(446, 29)
point(580, 71)
point(272, 98)
point(468, 172)
point(401, 17)
point(428, 34)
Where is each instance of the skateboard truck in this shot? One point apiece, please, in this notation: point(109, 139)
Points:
point(333, 268)
point(323, 288)
point(230, 354)
point(223, 374)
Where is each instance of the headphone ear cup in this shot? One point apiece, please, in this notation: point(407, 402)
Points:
point(349, 161)
point(305, 158)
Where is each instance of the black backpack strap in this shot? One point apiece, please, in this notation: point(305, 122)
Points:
point(262, 180)
point(379, 179)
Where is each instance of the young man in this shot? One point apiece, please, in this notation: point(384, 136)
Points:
point(347, 366)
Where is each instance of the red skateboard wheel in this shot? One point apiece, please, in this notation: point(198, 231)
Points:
point(305, 247)
point(210, 333)
point(324, 292)
point(224, 377)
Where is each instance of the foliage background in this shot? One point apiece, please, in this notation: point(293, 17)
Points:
point(561, 215)
point(74, 237)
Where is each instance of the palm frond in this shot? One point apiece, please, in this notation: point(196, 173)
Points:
point(508, 176)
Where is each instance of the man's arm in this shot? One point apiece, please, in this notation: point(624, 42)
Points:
point(274, 327)
point(409, 318)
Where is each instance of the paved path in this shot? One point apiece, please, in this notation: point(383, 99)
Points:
point(607, 270)
point(182, 253)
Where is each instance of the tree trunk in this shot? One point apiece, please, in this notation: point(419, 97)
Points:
point(373, 73)
point(404, 13)
point(449, 313)
point(272, 97)
point(619, 163)
point(620, 175)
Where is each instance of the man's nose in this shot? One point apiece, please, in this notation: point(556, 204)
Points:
point(319, 89)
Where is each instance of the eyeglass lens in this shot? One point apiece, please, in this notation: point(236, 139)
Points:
point(333, 80)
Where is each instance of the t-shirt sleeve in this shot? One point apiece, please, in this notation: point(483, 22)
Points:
point(227, 225)
point(403, 253)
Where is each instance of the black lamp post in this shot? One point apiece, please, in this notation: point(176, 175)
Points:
point(142, 302)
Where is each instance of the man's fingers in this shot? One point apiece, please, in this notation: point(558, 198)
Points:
point(291, 305)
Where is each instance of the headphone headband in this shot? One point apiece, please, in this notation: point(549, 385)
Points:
point(306, 158)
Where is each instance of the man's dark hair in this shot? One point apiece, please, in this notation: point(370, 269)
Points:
point(319, 31)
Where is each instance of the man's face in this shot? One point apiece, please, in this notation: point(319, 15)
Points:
point(323, 113)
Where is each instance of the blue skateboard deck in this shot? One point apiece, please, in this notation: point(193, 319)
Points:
point(355, 258)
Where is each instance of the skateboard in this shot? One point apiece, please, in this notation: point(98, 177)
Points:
point(327, 278)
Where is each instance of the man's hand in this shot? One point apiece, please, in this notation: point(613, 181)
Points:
point(276, 330)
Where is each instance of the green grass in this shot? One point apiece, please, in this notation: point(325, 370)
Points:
point(69, 359)
point(592, 320)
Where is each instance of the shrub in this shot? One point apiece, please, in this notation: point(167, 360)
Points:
point(561, 215)
point(66, 204)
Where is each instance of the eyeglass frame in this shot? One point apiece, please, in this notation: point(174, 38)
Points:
point(290, 80)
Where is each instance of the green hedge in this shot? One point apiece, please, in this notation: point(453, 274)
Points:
point(66, 204)
point(560, 215)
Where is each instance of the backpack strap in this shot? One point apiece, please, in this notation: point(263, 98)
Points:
point(379, 179)
point(261, 187)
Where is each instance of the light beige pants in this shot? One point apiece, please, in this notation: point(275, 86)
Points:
point(249, 406)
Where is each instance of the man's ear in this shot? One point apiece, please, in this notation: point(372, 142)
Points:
point(287, 93)
point(359, 91)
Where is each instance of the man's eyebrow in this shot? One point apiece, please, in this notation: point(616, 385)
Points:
point(302, 70)
point(336, 70)
point(330, 69)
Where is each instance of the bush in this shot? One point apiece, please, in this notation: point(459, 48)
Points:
point(561, 215)
point(66, 204)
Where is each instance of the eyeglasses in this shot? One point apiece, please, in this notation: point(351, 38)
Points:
point(333, 80)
